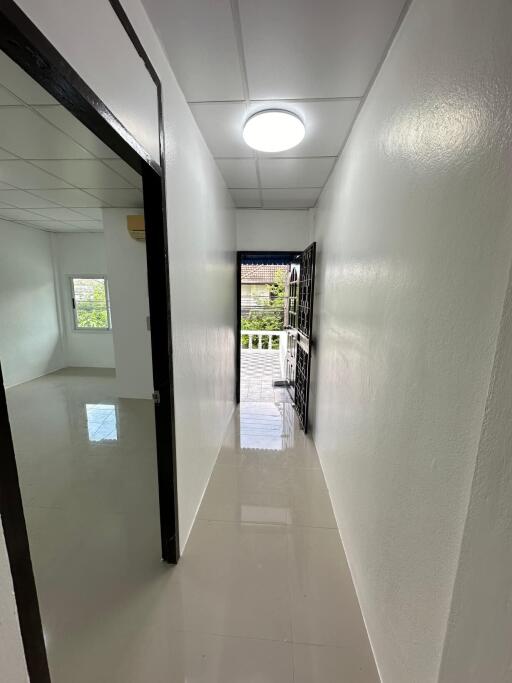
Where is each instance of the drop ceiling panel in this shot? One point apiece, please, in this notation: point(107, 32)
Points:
point(18, 215)
point(290, 199)
point(327, 125)
point(24, 133)
point(221, 126)
point(121, 167)
point(200, 39)
point(59, 213)
point(327, 48)
point(71, 198)
point(23, 175)
point(291, 173)
point(84, 173)
point(239, 172)
point(92, 214)
point(7, 98)
point(247, 198)
point(21, 84)
point(68, 124)
point(24, 200)
point(6, 155)
point(129, 198)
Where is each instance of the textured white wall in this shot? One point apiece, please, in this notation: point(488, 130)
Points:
point(415, 245)
point(30, 341)
point(477, 646)
point(258, 229)
point(128, 287)
point(13, 668)
point(81, 254)
point(201, 222)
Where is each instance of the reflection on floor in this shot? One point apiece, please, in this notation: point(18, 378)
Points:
point(259, 369)
point(262, 593)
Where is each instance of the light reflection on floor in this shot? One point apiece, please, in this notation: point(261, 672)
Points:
point(266, 426)
point(101, 421)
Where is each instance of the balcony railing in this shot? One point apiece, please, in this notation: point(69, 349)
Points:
point(265, 341)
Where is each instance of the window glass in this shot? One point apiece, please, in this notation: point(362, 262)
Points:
point(90, 303)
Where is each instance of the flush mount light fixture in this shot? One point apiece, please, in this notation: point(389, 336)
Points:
point(273, 130)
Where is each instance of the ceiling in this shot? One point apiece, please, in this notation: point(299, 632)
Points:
point(233, 58)
point(55, 174)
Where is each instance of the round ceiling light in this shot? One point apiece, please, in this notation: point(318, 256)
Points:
point(273, 130)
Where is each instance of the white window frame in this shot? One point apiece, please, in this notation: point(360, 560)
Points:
point(97, 276)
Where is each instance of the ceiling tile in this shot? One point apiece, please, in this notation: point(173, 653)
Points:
point(18, 214)
point(70, 125)
point(84, 173)
point(21, 84)
point(327, 125)
point(52, 226)
point(238, 172)
point(309, 172)
point(60, 213)
point(24, 200)
point(121, 167)
point(199, 38)
point(127, 198)
point(70, 198)
point(246, 198)
point(20, 174)
point(6, 155)
point(7, 98)
point(290, 199)
point(327, 48)
point(94, 214)
point(29, 136)
point(87, 226)
point(221, 125)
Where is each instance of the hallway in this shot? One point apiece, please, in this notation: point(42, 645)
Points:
point(262, 592)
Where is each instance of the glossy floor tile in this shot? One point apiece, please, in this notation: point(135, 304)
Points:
point(262, 593)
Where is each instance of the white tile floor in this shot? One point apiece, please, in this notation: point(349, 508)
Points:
point(262, 593)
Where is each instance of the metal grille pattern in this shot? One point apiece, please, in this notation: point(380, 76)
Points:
point(307, 275)
point(302, 386)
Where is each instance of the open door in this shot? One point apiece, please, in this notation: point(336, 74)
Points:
point(304, 329)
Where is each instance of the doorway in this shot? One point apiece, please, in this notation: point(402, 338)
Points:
point(274, 324)
point(85, 300)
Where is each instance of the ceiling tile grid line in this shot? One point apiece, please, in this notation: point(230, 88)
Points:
point(234, 58)
point(54, 172)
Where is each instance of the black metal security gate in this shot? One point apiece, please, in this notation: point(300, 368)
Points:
point(304, 327)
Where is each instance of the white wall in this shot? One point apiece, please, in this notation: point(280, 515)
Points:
point(267, 230)
point(30, 343)
point(415, 245)
point(201, 222)
point(12, 660)
point(81, 254)
point(128, 287)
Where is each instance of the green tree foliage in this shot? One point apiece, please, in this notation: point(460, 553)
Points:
point(270, 319)
point(93, 312)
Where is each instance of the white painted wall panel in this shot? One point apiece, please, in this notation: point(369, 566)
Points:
point(30, 342)
point(415, 247)
point(267, 230)
point(128, 287)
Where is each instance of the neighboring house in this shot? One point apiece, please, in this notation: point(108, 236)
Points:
point(256, 281)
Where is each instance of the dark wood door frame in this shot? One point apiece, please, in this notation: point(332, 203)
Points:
point(240, 255)
point(24, 43)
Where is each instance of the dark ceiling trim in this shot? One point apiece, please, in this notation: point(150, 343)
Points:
point(23, 42)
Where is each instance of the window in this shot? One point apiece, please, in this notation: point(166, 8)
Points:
point(91, 310)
